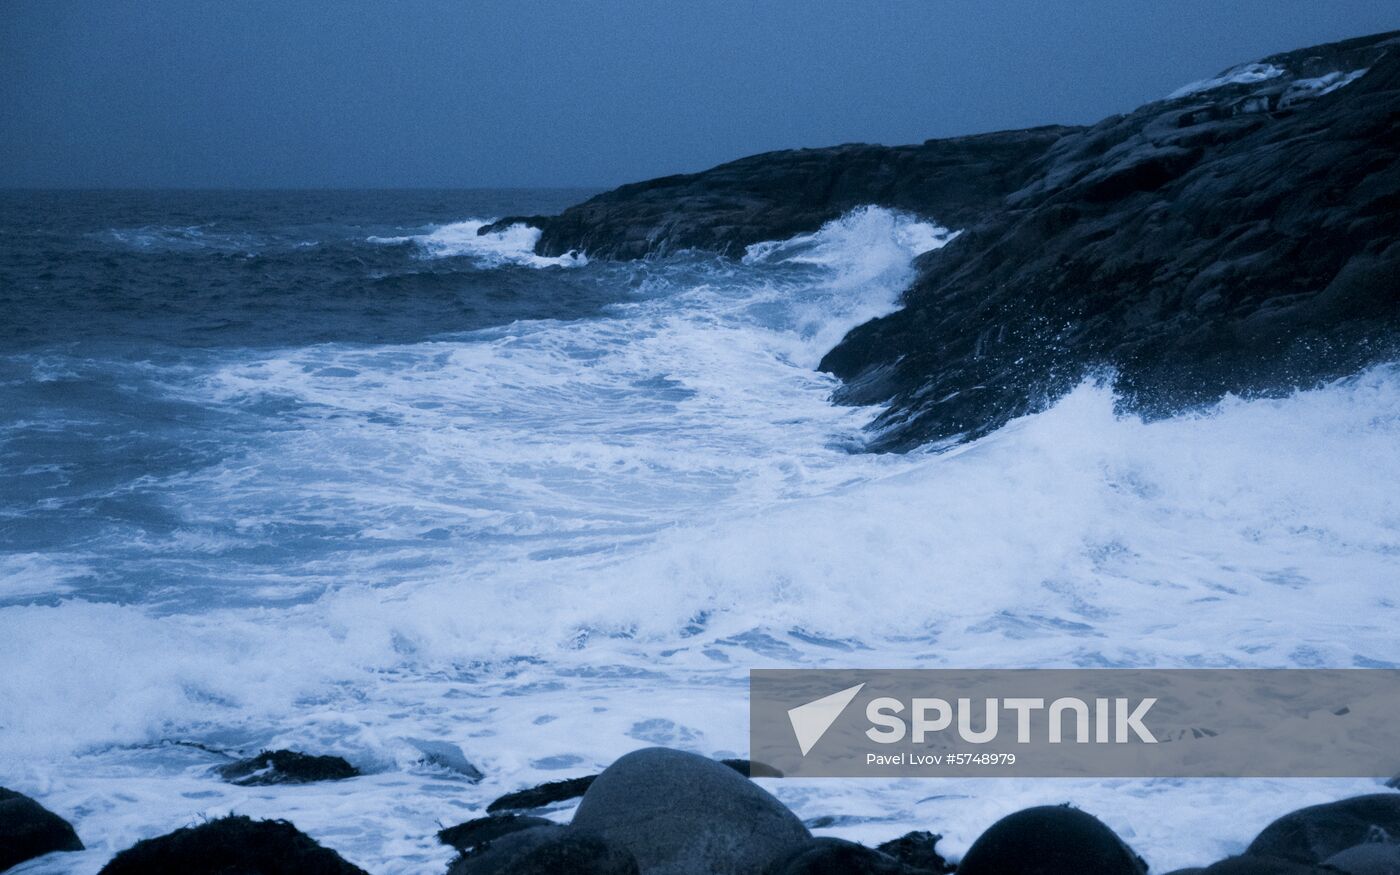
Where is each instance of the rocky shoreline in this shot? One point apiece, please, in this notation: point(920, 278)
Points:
point(1239, 236)
point(660, 811)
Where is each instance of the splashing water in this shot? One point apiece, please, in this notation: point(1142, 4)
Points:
point(550, 541)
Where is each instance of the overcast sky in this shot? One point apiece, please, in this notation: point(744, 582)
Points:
point(352, 93)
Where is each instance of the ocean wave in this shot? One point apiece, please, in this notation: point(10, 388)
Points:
point(512, 245)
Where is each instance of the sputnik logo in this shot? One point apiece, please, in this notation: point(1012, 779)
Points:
point(811, 721)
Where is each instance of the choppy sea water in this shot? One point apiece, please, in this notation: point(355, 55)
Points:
point(330, 471)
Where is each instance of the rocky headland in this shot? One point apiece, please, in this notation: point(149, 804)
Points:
point(1239, 236)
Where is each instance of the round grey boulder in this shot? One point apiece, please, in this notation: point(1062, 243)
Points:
point(683, 814)
point(1311, 835)
point(1373, 858)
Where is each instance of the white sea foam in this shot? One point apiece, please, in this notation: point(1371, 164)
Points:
point(1244, 74)
point(514, 244)
point(574, 539)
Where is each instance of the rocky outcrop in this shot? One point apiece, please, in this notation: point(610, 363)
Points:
point(1242, 238)
point(29, 830)
point(1242, 235)
point(682, 814)
point(779, 194)
point(286, 767)
point(229, 845)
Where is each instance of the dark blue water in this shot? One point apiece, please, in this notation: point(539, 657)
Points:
point(109, 298)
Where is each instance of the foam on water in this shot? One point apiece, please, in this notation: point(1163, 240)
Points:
point(512, 245)
point(563, 540)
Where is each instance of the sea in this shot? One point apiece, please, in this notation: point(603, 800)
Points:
point(331, 471)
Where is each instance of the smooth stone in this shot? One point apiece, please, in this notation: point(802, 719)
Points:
point(1311, 835)
point(683, 814)
point(1372, 858)
point(29, 830)
point(1050, 840)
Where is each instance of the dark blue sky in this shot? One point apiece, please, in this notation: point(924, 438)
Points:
point(435, 93)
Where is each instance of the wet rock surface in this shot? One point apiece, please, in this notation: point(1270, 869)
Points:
point(1050, 840)
point(231, 846)
point(679, 813)
point(286, 767)
point(29, 830)
point(1313, 834)
point(1239, 236)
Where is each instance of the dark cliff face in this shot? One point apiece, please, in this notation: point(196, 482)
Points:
point(1242, 237)
point(778, 194)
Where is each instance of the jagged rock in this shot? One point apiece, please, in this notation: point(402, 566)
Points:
point(1311, 835)
point(286, 767)
point(683, 814)
point(544, 794)
point(231, 846)
point(1050, 840)
point(918, 849)
point(29, 830)
point(546, 850)
point(465, 836)
point(778, 194)
point(551, 792)
point(1237, 237)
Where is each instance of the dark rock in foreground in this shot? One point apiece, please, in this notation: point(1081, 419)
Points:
point(918, 849)
point(546, 850)
point(550, 792)
point(1313, 834)
point(29, 830)
point(231, 846)
point(286, 767)
point(683, 814)
point(1372, 858)
point(542, 795)
point(1050, 840)
point(828, 856)
point(465, 836)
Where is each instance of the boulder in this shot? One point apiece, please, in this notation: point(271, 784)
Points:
point(231, 846)
point(1311, 835)
point(29, 830)
point(286, 767)
point(918, 849)
point(683, 814)
point(1258, 866)
point(546, 850)
point(830, 856)
point(465, 836)
point(1050, 840)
